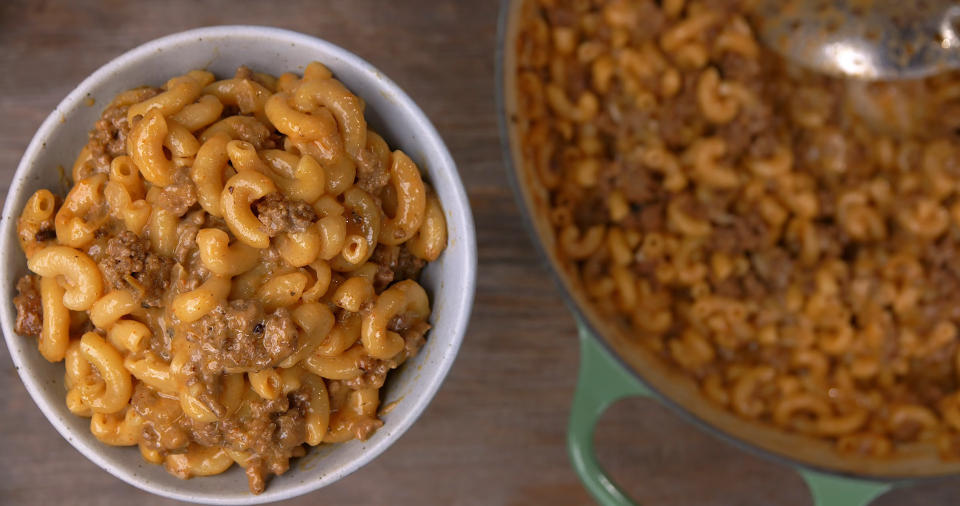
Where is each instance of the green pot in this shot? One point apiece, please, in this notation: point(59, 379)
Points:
point(603, 380)
point(605, 376)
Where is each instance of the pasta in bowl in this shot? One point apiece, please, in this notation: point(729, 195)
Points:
point(233, 269)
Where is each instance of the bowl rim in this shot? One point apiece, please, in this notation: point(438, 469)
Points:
point(459, 210)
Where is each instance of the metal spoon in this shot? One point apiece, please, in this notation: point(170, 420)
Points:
point(865, 39)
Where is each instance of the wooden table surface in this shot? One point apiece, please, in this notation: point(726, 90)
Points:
point(494, 434)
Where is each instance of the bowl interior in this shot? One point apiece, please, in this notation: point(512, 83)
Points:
point(390, 112)
point(674, 388)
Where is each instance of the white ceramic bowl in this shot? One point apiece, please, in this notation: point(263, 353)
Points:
point(450, 280)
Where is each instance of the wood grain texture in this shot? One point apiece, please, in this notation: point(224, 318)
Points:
point(495, 432)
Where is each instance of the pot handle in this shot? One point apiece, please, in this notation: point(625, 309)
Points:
point(833, 490)
point(602, 381)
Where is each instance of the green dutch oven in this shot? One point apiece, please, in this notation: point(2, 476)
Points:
point(612, 368)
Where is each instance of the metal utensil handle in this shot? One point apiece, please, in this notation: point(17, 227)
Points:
point(603, 381)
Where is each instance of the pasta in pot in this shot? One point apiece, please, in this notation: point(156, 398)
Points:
point(218, 282)
point(785, 239)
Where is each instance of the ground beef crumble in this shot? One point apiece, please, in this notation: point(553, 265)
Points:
point(372, 175)
point(179, 196)
point(129, 264)
point(29, 309)
point(281, 214)
point(240, 336)
point(273, 431)
point(395, 263)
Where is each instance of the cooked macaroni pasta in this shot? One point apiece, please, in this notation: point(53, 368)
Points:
point(229, 278)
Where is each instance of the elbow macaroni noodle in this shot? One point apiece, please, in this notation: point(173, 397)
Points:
point(748, 222)
point(221, 267)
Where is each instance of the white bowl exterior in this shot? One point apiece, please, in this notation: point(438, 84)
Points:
point(450, 281)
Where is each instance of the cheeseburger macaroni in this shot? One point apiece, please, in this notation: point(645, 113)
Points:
point(233, 272)
point(790, 241)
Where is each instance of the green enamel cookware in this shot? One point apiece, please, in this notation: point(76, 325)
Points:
point(613, 368)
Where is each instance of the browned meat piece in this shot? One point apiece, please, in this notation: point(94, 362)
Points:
point(240, 337)
point(413, 332)
point(187, 230)
point(561, 15)
point(385, 256)
point(179, 196)
point(205, 433)
point(681, 121)
point(637, 184)
point(737, 67)
point(739, 133)
point(577, 79)
point(126, 254)
point(45, 234)
point(29, 310)
point(129, 264)
point(744, 234)
point(774, 267)
point(650, 218)
point(408, 265)
point(281, 214)
point(396, 263)
point(372, 174)
point(692, 207)
point(154, 277)
point(374, 374)
point(290, 426)
point(590, 211)
point(279, 334)
point(649, 20)
point(273, 431)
